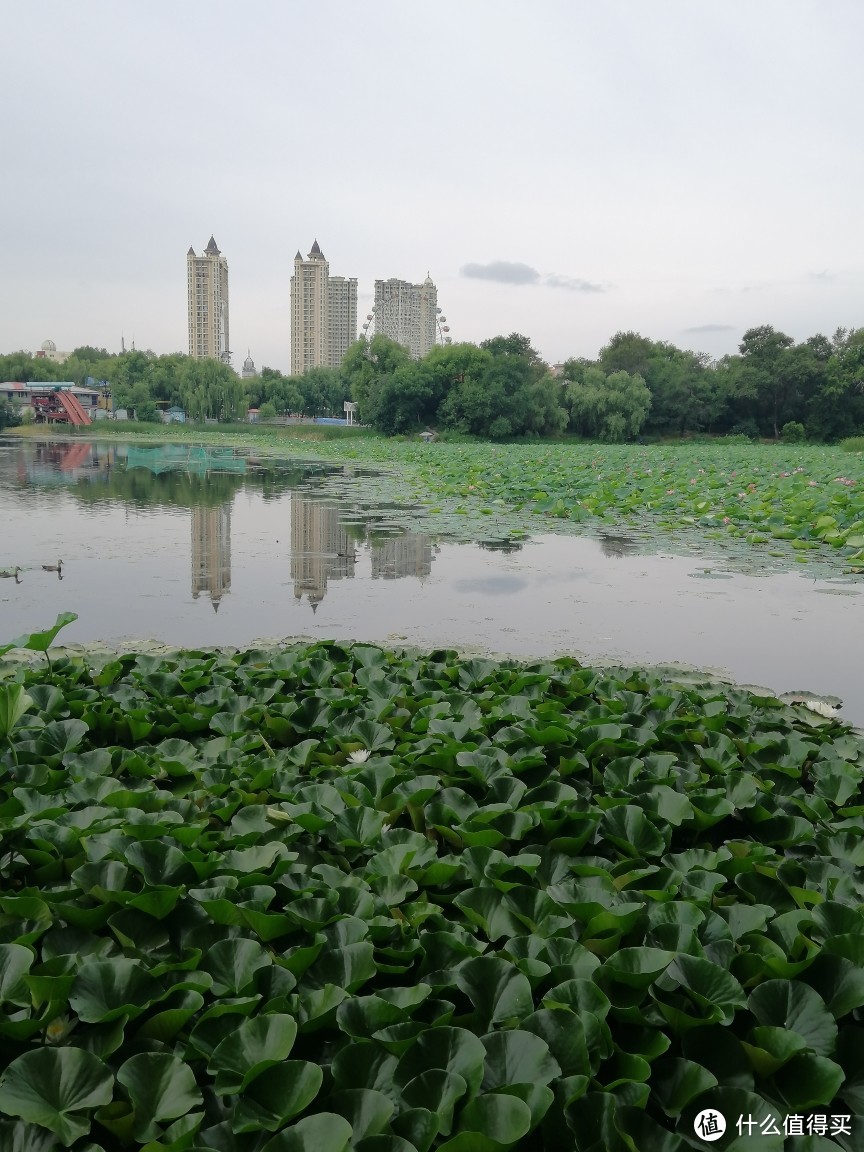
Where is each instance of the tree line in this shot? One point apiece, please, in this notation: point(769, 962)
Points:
point(502, 388)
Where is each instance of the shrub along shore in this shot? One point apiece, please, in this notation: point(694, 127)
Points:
point(332, 896)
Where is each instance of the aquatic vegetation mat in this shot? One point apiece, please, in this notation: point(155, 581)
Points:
point(761, 507)
point(329, 897)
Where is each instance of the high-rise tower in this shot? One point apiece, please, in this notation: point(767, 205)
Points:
point(310, 312)
point(207, 291)
point(407, 313)
point(343, 316)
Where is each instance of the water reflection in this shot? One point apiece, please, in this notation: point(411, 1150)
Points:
point(617, 545)
point(203, 548)
point(320, 548)
point(211, 552)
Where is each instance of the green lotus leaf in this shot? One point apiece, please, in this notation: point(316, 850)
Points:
point(808, 1081)
point(709, 985)
point(449, 1049)
point(362, 1064)
point(250, 1049)
point(439, 1092)
point(15, 964)
point(564, 1033)
point(517, 1057)
point(499, 1117)
point(366, 1110)
point(630, 830)
point(323, 1132)
point(104, 990)
point(497, 990)
point(14, 705)
point(677, 1081)
point(15, 1136)
point(385, 1144)
point(277, 1095)
point(795, 1006)
point(636, 967)
point(419, 1126)
point(233, 964)
point(161, 1087)
point(770, 1048)
point(41, 641)
point(52, 1087)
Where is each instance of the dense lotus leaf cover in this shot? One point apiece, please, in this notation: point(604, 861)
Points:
point(762, 506)
point(553, 908)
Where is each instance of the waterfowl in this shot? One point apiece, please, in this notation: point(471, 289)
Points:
point(52, 567)
point(10, 574)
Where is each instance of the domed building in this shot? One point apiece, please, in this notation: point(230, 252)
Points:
point(249, 371)
point(48, 351)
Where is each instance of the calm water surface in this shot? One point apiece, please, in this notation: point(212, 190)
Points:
point(206, 548)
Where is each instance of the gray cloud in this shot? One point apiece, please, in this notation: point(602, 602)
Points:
point(700, 329)
point(824, 277)
point(509, 272)
point(503, 271)
point(572, 283)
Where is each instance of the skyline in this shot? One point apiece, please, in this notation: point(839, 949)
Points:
point(687, 172)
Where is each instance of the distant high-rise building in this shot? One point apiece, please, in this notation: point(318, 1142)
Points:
point(343, 316)
point(323, 313)
point(310, 312)
point(407, 313)
point(207, 291)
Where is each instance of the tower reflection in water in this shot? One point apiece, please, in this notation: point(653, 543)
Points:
point(211, 552)
point(322, 549)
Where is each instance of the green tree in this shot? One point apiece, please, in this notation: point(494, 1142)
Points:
point(10, 417)
point(211, 390)
point(516, 345)
point(837, 408)
point(628, 352)
point(365, 369)
point(766, 375)
point(610, 408)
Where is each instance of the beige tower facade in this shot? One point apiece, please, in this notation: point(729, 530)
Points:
point(407, 313)
point(343, 316)
point(207, 292)
point(310, 312)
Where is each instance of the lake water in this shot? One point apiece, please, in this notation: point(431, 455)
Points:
point(194, 547)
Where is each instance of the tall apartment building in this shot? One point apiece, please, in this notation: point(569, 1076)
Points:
point(310, 312)
point(323, 313)
point(207, 292)
point(343, 316)
point(407, 313)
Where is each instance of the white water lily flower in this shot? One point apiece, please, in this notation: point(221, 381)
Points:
point(359, 756)
point(821, 708)
point(278, 815)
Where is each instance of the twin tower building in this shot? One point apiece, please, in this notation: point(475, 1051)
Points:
point(323, 311)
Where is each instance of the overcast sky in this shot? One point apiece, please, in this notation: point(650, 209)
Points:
point(561, 168)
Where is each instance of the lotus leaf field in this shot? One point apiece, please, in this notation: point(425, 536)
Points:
point(327, 897)
point(774, 506)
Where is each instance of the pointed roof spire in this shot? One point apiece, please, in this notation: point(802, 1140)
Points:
point(298, 256)
point(212, 249)
point(315, 249)
point(191, 251)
